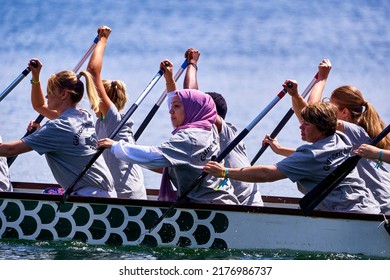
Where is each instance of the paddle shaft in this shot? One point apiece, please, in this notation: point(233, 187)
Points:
point(15, 82)
point(10, 160)
point(112, 135)
point(222, 155)
point(39, 119)
point(283, 122)
point(320, 191)
point(158, 103)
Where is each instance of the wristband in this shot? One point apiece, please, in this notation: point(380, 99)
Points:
point(225, 174)
point(193, 64)
point(34, 82)
point(379, 162)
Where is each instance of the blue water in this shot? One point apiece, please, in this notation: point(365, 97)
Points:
point(248, 49)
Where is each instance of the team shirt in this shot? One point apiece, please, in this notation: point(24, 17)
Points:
point(247, 193)
point(184, 154)
point(5, 183)
point(377, 178)
point(69, 143)
point(311, 163)
point(128, 177)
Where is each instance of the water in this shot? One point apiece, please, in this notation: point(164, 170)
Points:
point(248, 49)
point(74, 250)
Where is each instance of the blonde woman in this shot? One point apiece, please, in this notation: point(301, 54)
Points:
point(68, 139)
point(128, 177)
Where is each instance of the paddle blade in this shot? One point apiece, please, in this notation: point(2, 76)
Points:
point(319, 192)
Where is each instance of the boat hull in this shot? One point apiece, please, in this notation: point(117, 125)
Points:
point(278, 225)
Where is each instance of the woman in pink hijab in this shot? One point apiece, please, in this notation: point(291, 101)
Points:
point(193, 143)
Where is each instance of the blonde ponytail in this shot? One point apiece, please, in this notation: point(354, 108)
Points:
point(93, 95)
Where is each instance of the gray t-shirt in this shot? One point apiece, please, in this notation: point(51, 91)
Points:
point(377, 179)
point(188, 151)
point(311, 163)
point(128, 177)
point(247, 193)
point(69, 143)
point(5, 183)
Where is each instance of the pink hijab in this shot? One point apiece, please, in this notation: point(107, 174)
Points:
point(199, 109)
point(199, 112)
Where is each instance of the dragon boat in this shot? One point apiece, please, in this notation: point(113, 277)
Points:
point(28, 214)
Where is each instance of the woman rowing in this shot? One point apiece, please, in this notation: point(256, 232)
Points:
point(68, 139)
point(193, 143)
point(309, 164)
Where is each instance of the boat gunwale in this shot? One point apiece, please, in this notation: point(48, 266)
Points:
point(269, 200)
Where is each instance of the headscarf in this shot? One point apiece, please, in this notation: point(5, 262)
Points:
point(199, 109)
point(199, 112)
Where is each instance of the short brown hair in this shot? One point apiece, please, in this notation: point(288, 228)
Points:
point(322, 115)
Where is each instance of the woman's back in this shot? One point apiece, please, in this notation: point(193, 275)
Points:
point(69, 143)
point(377, 177)
point(128, 177)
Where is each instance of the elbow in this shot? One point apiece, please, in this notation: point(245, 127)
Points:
point(37, 108)
point(91, 69)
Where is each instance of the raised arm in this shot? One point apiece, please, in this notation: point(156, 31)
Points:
point(298, 102)
point(167, 66)
point(323, 71)
point(95, 66)
point(190, 79)
point(38, 101)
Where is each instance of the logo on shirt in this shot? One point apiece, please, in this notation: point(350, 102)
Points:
point(203, 155)
point(91, 142)
point(329, 161)
point(76, 137)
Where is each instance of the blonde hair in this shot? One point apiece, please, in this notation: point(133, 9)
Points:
point(116, 91)
point(69, 81)
point(362, 112)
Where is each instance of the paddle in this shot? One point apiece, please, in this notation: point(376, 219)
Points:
point(158, 103)
point(112, 135)
point(15, 82)
point(283, 122)
point(10, 160)
point(223, 154)
point(319, 192)
point(38, 120)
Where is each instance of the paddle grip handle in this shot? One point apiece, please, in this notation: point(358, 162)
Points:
point(34, 64)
